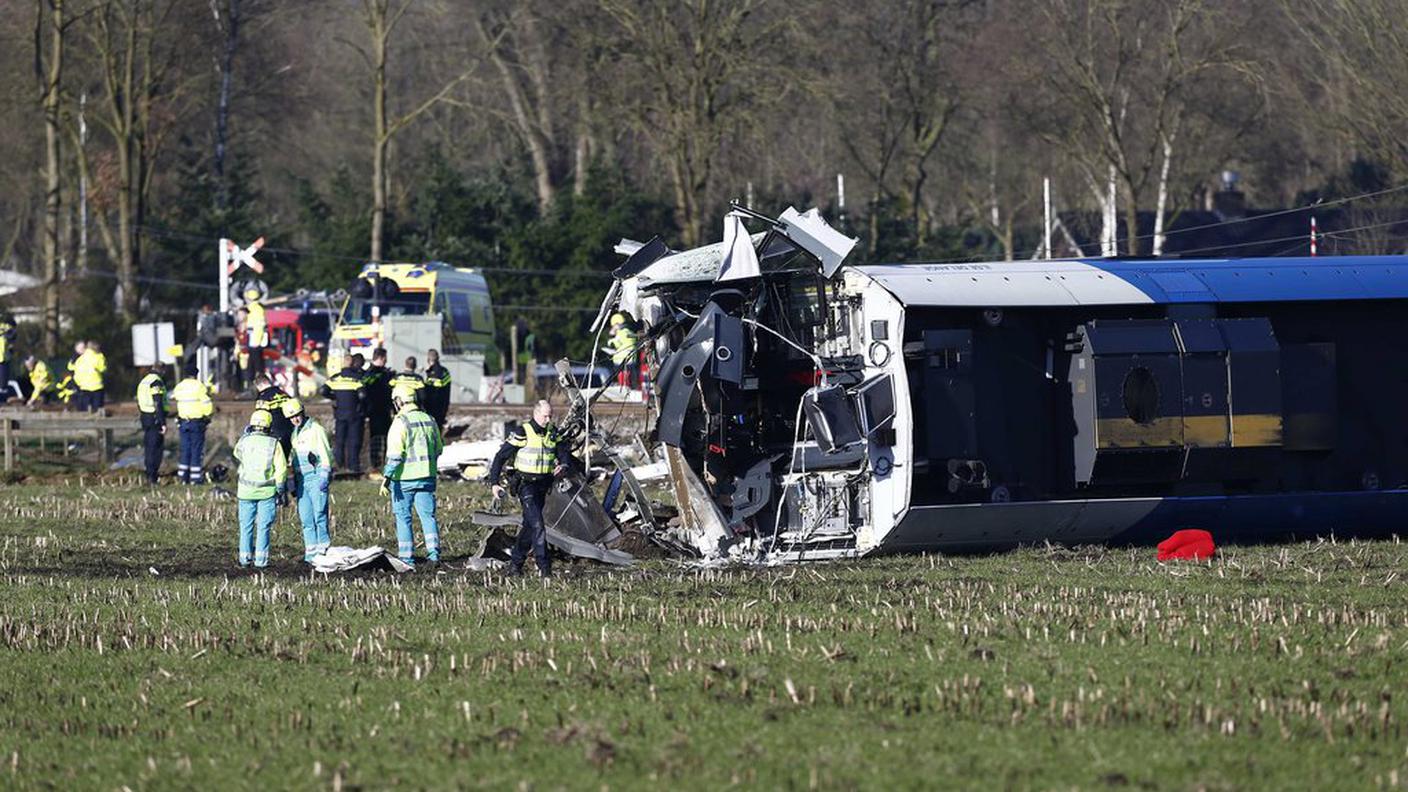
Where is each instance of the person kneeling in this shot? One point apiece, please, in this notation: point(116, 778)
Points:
point(263, 479)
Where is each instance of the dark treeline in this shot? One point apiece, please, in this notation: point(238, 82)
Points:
point(531, 134)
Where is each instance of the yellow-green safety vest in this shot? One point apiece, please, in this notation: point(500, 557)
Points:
point(151, 393)
point(412, 446)
point(192, 399)
point(538, 454)
point(311, 449)
point(88, 370)
point(262, 466)
point(623, 345)
point(256, 325)
point(41, 380)
point(5, 330)
point(406, 378)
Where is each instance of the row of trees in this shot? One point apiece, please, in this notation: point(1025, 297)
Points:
point(526, 135)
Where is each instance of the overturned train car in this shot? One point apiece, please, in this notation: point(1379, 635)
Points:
point(814, 410)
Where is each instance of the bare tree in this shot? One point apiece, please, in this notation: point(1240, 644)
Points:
point(1361, 71)
point(702, 70)
point(381, 18)
point(136, 53)
point(49, 16)
point(1121, 78)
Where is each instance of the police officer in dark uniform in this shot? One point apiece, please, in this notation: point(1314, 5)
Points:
point(269, 397)
point(376, 401)
point(436, 399)
point(151, 406)
point(537, 457)
point(346, 391)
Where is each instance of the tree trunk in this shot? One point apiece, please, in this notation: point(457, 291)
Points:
point(222, 112)
point(381, 134)
point(1161, 206)
point(52, 171)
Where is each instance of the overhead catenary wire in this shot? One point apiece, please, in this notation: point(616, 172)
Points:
point(1316, 205)
point(162, 233)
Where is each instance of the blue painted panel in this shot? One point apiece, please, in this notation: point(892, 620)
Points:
point(1264, 280)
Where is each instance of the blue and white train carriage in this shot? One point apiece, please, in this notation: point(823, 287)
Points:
point(957, 407)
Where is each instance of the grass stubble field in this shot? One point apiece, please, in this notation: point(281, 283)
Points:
point(1276, 667)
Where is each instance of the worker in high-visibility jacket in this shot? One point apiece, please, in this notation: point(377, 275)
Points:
point(408, 377)
point(345, 388)
point(622, 348)
point(413, 448)
point(151, 411)
point(537, 457)
point(436, 397)
point(41, 381)
point(256, 332)
point(7, 341)
point(311, 469)
point(89, 372)
point(194, 407)
point(263, 483)
point(66, 390)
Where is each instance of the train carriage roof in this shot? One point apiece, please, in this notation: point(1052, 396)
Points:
point(1143, 281)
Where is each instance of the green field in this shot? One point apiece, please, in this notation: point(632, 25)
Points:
point(1278, 667)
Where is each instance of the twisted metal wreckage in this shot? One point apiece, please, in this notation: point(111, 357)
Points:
point(810, 410)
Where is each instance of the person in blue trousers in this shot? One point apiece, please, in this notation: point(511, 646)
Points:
point(413, 447)
point(311, 467)
point(263, 482)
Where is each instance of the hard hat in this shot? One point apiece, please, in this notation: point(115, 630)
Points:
point(618, 318)
point(261, 419)
point(292, 407)
point(251, 294)
point(406, 394)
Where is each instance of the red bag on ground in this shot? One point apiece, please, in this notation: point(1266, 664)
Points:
point(1188, 544)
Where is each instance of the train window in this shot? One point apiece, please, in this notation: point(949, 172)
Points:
point(1141, 395)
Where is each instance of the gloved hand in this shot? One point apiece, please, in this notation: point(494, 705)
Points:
point(498, 490)
point(385, 488)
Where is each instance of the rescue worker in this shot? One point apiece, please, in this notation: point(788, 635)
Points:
point(194, 407)
point(408, 378)
point(151, 409)
point(88, 374)
point(376, 403)
point(41, 381)
point(622, 348)
point(256, 329)
point(7, 341)
point(413, 448)
point(66, 389)
point(345, 389)
point(263, 482)
point(537, 456)
point(311, 469)
point(436, 396)
point(269, 397)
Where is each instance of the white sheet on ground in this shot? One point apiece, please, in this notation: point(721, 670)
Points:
point(341, 559)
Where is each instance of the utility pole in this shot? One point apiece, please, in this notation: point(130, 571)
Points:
point(1046, 218)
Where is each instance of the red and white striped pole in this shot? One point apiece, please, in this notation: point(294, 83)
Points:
point(1314, 237)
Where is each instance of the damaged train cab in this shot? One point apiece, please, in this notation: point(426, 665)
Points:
point(809, 409)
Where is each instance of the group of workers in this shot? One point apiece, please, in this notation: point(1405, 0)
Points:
point(362, 399)
point(274, 467)
point(84, 383)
